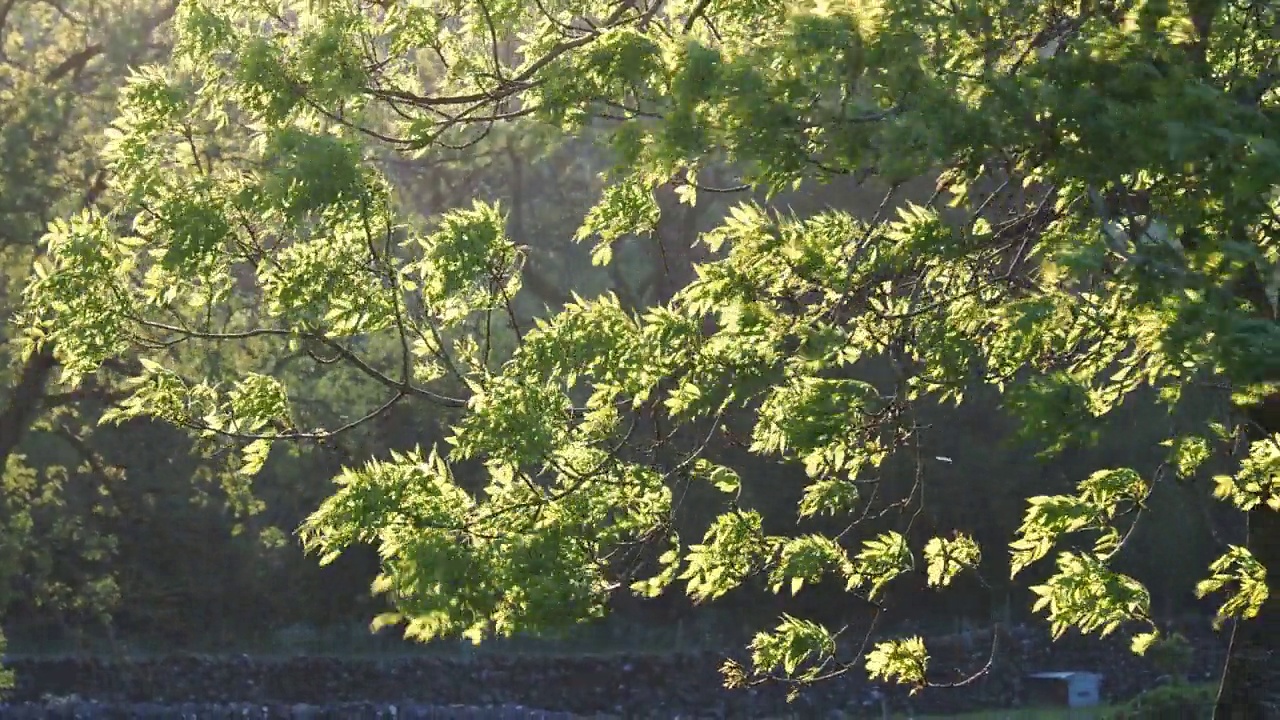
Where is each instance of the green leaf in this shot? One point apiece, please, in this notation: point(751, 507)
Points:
point(1239, 572)
point(722, 478)
point(1142, 642)
point(806, 560)
point(947, 558)
point(255, 456)
point(1257, 482)
point(789, 646)
point(882, 559)
point(905, 661)
point(1187, 454)
point(828, 497)
point(1085, 593)
point(733, 547)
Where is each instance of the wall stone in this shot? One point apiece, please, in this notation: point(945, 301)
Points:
point(668, 686)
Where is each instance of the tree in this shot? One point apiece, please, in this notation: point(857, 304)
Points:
point(73, 523)
point(60, 70)
point(60, 65)
point(1110, 171)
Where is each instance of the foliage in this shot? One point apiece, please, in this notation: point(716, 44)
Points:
point(1240, 570)
point(59, 68)
point(6, 676)
point(1173, 656)
point(902, 660)
point(1192, 702)
point(1110, 176)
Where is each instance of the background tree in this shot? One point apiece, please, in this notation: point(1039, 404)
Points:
point(84, 549)
point(60, 65)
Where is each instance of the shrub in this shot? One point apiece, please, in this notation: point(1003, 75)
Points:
point(1170, 702)
point(1173, 656)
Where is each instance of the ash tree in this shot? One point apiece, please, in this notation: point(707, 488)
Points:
point(1105, 221)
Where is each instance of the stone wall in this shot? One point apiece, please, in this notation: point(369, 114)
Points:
point(666, 686)
point(77, 709)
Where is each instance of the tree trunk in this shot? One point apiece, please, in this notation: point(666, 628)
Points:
point(1251, 680)
point(24, 402)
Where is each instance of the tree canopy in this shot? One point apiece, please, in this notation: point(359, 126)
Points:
point(1105, 220)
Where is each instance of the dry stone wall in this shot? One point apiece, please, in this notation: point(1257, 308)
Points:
point(499, 687)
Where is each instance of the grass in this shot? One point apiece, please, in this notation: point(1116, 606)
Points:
point(1101, 712)
point(1094, 713)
